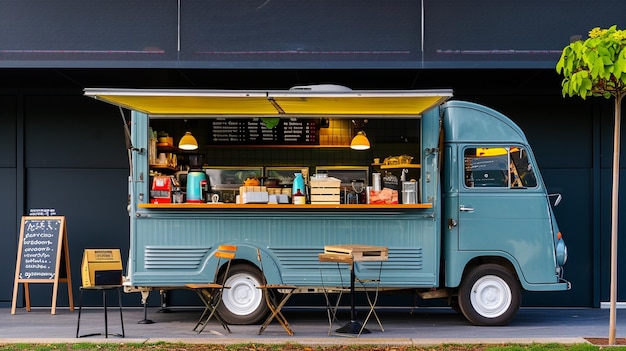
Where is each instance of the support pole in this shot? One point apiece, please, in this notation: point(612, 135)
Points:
point(614, 218)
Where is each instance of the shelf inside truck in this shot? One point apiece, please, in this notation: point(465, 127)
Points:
point(221, 206)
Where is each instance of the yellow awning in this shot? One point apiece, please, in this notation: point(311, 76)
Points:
point(232, 103)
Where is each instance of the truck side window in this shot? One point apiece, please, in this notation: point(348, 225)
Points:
point(505, 167)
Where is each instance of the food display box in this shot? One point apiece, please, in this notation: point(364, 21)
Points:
point(325, 190)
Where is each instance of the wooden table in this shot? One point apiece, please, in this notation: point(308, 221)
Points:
point(349, 254)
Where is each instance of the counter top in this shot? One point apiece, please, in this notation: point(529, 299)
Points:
point(283, 206)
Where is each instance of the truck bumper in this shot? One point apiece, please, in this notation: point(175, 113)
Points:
point(561, 285)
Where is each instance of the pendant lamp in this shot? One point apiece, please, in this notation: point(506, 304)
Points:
point(360, 141)
point(188, 142)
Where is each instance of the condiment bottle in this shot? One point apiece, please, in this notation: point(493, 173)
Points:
point(298, 183)
point(298, 198)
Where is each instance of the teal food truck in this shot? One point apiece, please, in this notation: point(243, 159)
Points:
point(482, 228)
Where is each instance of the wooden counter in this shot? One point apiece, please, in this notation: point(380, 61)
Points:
point(283, 206)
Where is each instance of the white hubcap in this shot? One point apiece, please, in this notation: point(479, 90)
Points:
point(243, 297)
point(491, 296)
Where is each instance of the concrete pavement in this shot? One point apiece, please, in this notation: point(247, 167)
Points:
point(422, 326)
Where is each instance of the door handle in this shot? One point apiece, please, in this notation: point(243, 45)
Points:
point(466, 209)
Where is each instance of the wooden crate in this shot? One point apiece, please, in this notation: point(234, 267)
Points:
point(325, 191)
point(356, 252)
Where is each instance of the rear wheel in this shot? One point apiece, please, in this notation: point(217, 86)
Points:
point(489, 295)
point(243, 302)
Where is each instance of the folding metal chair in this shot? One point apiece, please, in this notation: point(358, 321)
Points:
point(276, 295)
point(373, 299)
point(339, 290)
point(211, 293)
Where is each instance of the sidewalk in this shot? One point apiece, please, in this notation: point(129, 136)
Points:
point(424, 326)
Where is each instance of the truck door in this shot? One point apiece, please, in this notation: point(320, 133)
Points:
point(503, 210)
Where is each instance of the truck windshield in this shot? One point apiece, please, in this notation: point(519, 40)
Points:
point(498, 167)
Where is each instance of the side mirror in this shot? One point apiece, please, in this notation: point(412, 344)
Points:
point(558, 199)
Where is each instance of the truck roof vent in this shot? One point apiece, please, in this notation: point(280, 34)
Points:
point(321, 88)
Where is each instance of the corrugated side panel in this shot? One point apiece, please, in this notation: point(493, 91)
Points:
point(174, 258)
point(174, 247)
point(403, 268)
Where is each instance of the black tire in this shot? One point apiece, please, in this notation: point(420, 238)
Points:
point(243, 303)
point(490, 295)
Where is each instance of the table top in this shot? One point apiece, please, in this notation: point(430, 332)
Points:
point(353, 253)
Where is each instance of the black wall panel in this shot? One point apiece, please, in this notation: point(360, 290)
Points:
point(603, 264)
point(8, 193)
point(9, 233)
point(73, 131)
point(8, 133)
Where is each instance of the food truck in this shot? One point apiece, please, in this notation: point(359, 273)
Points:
point(478, 230)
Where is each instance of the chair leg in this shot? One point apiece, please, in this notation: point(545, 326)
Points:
point(119, 298)
point(275, 304)
point(372, 301)
point(206, 309)
point(80, 309)
point(210, 308)
point(331, 311)
point(106, 320)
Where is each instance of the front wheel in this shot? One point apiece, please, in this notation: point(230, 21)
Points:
point(243, 302)
point(489, 295)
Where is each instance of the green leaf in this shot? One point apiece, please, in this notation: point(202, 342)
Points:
point(592, 66)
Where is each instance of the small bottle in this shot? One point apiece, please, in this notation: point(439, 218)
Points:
point(298, 198)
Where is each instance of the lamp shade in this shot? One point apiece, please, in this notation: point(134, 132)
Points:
point(188, 142)
point(360, 142)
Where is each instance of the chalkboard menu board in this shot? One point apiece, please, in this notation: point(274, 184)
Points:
point(42, 251)
point(40, 248)
point(254, 131)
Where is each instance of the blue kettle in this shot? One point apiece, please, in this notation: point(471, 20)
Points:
point(195, 179)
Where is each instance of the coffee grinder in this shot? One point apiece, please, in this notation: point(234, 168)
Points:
point(197, 182)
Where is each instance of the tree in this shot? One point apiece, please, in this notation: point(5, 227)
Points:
point(597, 67)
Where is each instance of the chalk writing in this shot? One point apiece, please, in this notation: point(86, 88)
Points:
point(40, 241)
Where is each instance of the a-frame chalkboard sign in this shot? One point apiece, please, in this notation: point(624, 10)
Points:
point(42, 257)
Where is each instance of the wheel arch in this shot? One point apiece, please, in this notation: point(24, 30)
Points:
point(506, 262)
point(247, 254)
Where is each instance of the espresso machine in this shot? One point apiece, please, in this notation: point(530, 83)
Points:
point(161, 191)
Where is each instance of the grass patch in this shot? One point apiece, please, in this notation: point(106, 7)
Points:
point(164, 346)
